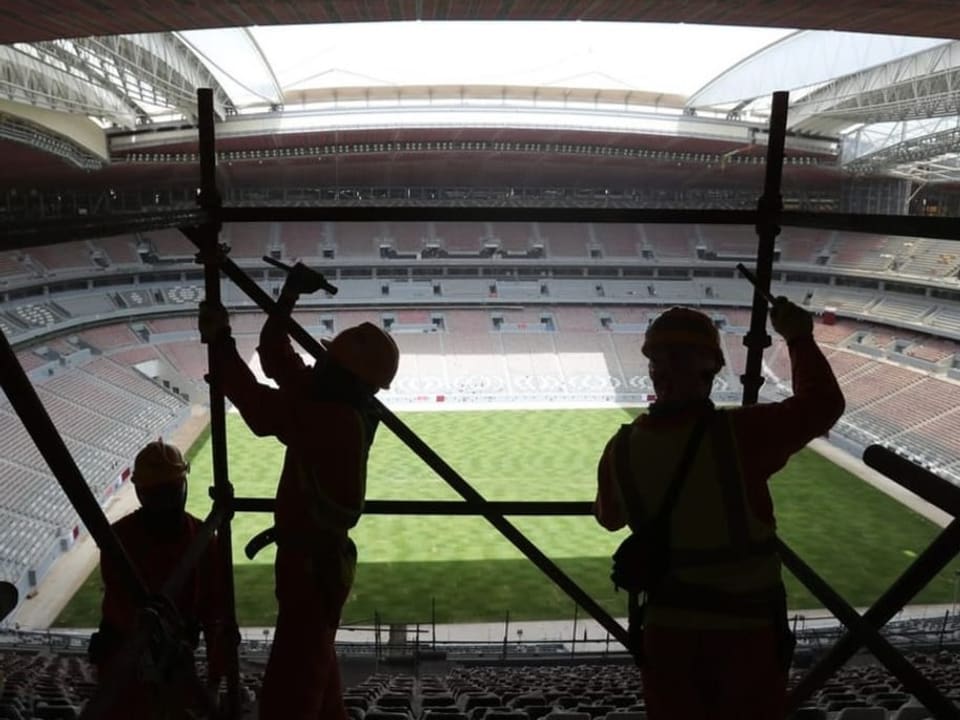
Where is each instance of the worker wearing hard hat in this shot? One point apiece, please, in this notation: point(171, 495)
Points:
point(715, 641)
point(323, 415)
point(155, 538)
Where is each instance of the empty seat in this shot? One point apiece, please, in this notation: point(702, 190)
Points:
point(809, 713)
point(862, 713)
point(912, 712)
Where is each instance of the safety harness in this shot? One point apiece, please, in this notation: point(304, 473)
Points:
point(766, 603)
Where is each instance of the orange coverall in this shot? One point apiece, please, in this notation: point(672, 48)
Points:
point(696, 670)
point(319, 497)
point(200, 601)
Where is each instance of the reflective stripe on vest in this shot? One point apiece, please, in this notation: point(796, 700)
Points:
point(722, 558)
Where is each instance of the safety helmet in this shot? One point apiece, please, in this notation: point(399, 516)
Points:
point(366, 351)
point(683, 327)
point(159, 464)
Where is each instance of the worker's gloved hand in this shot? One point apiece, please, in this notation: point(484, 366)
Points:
point(790, 320)
point(304, 280)
point(213, 322)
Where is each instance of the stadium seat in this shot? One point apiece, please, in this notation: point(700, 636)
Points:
point(809, 713)
point(378, 714)
point(912, 712)
point(862, 713)
point(627, 715)
point(566, 715)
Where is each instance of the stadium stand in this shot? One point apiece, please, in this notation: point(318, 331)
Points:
point(727, 242)
point(670, 241)
point(893, 308)
point(108, 337)
point(931, 349)
point(563, 240)
point(301, 240)
point(11, 264)
point(802, 246)
point(459, 238)
point(188, 357)
point(872, 253)
point(68, 256)
point(120, 250)
point(616, 241)
point(945, 319)
point(407, 237)
point(54, 683)
point(517, 237)
point(929, 258)
point(170, 244)
point(248, 240)
point(358, 240)
point(87, 305)
point(37, 314)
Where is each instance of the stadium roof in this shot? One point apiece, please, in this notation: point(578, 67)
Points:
point(880, 94)
point(29, 20)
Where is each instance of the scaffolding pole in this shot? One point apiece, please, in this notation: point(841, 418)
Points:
point(768, 215)
point(222, 488)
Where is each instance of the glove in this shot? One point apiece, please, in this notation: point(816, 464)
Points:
point(790, 320)
point(213, 322)
point(304, 280)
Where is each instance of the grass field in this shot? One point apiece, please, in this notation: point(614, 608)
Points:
point(856, 537)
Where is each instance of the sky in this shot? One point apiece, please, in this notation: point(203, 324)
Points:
point(669, 58)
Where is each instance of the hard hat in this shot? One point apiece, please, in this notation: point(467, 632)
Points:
point(159, 464)
point(366, 351)
point(683, 327)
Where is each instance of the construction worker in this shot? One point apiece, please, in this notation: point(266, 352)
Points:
point(155, 538)
point(323, 416)
point(715, 642)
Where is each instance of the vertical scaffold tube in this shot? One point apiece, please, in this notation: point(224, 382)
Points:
point(223, 489)
point(768, 215)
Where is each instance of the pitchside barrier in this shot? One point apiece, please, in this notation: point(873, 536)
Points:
point(202, 227)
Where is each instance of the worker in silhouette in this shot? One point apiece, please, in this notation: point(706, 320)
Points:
point(155, 538)
point(323, 414)
point(715, 641)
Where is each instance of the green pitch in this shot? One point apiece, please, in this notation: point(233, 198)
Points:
point(856, 537)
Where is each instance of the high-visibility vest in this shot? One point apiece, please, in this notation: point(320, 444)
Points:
point(724, 570)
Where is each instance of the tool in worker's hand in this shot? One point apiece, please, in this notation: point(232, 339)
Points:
point(756, 285)
point(308, 279)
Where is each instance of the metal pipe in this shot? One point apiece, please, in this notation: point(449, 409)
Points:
point(223, 490)
point(923, 569)
point(768, 214)
point(932, 488)
point(903, 669)
point(440, 507)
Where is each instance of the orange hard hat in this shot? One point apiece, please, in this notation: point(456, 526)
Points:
point(368, 352)
point(683, 327)
point(159, 464)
